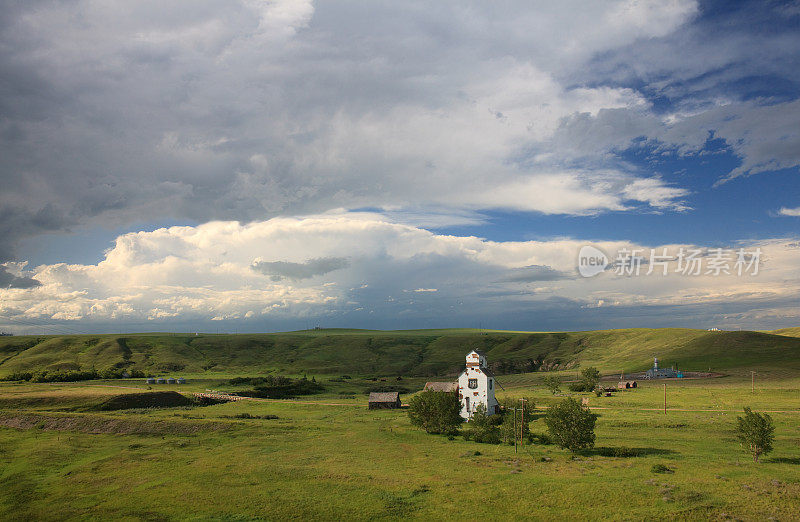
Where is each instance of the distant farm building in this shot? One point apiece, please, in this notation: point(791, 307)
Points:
point(660, 373)
point(151, 380)
point(476, 386)
point(181, 380)
point(625, 385)
point(384, 400)
point(441, 386)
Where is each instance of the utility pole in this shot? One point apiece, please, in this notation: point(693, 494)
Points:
point(522, 424)
point(515, 431)
point(752, 381)
point(665, 398)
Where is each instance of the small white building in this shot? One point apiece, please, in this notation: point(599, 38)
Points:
point(476, 386)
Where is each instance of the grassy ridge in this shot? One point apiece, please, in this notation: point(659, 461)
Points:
point(790, 332)
point(408, 353)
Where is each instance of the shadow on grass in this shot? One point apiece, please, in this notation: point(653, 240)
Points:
point(625, 452)
point(785, 460)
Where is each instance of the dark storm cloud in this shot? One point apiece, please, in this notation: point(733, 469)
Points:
point(236, 110)
point(278, 270)
point(200, 110)
point(8, 280)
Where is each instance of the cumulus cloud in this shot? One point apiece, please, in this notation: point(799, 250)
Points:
point(794, 212)
point(353, 267)
point(417, 114)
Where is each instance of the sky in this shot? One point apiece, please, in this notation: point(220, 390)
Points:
point(249, 166)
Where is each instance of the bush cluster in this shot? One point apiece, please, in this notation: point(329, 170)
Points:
point(435, 412)
point(503, 428)
point(661, 468)
point(553, 384)
point(73, 375)
point(590, 377)
point(483, 428)
point(511, 428)
point(277, 386)
point(571, 425)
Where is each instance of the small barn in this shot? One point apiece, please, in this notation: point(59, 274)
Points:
point(384, 400)
point(441, 386)
point(625, 385)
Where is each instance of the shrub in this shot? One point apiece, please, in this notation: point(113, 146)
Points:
point(508, 404)
point(277, 386)
point(73, 375)
point(553, 384)
point(590, 377)
point(481, 427)
point(171, 366)
point(540, 438)
point(660, 468)
point(756, 431)
point(619, 451)
point(571, 425)
point(509, 429)
point(435, 412)
point(250, 416)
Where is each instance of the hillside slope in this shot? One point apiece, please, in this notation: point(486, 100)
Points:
point(790, 332)
point(410, 353)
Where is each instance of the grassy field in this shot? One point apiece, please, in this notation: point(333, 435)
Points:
point(328, 457)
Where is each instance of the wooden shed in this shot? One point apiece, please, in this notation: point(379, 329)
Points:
point(625, 385)
point(383, 400)
point(441, 386)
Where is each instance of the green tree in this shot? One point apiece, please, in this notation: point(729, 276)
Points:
point(756, 431)
point(588, 381)
point(435, 412)
point(509, 428)
point(571, 425)
point(481, 427)
point(553, 384)
point(590, 377)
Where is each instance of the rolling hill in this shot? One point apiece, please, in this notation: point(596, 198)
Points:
point(790, 332)
point(409, 353)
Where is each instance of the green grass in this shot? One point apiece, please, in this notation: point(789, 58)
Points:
point(415, 353)
point(346, 462)
point(328, 457)
point(791, 332)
